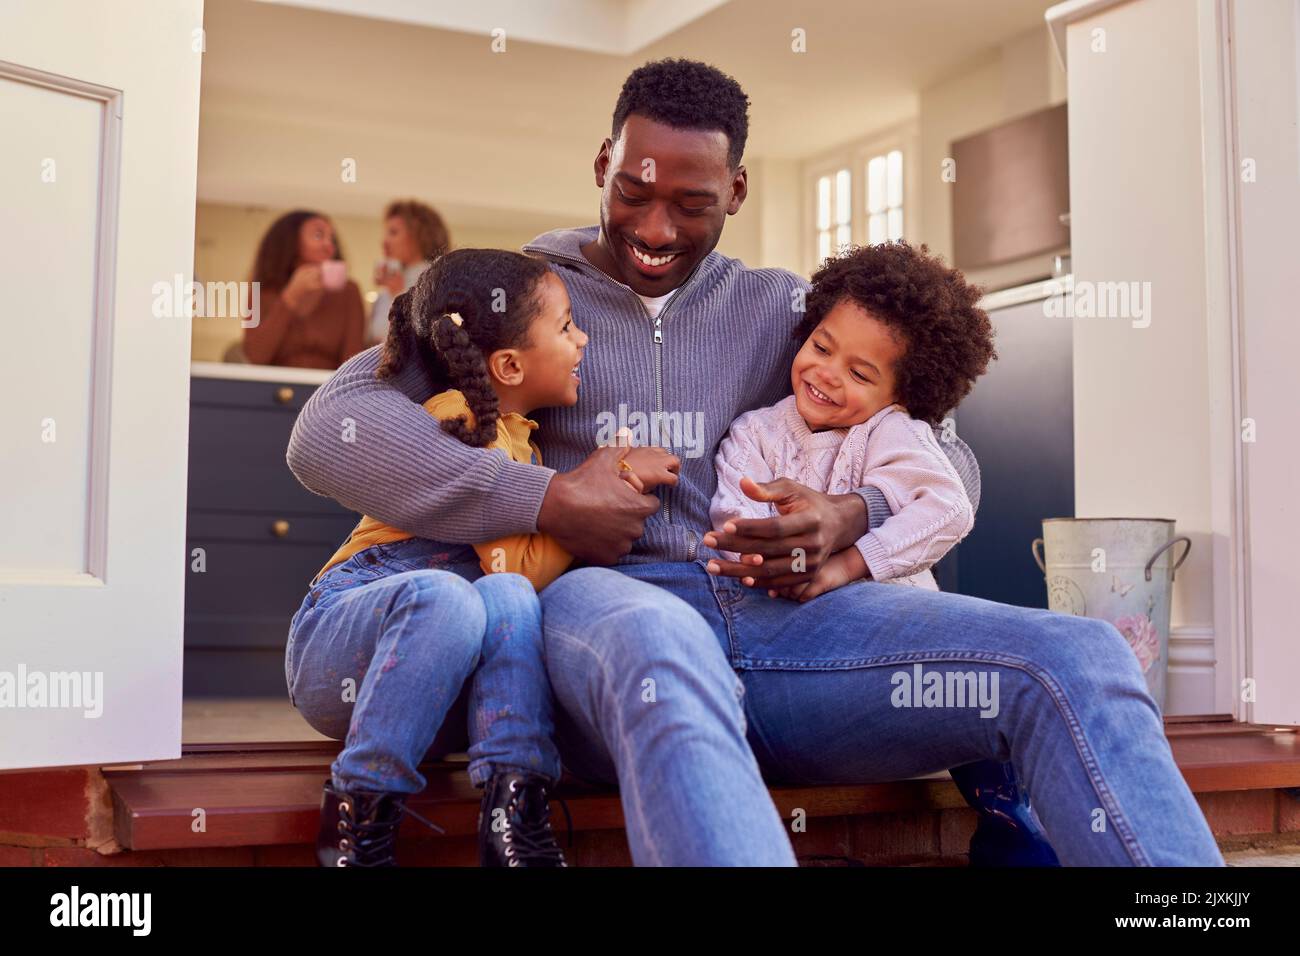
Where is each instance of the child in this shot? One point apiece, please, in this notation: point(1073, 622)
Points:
point(395, 621)
point(892, 341)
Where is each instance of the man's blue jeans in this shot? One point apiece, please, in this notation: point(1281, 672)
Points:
point(392, 646)
point(688, 689)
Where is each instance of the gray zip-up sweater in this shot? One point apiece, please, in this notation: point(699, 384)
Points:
point(720, 347)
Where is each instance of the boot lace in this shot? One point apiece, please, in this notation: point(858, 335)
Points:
point(531, 839)
point(372, 844)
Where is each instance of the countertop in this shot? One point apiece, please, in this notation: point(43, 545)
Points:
point(260, 373)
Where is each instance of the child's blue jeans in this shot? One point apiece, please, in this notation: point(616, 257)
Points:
point(389, 648)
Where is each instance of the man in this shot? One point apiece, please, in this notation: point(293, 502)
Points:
point(686, 686)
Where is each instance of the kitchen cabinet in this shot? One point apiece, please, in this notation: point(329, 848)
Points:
point(254, 536)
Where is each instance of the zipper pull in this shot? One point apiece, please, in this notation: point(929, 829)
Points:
point(659, 332)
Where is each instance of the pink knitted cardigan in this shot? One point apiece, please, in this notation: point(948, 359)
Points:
point(891, 451)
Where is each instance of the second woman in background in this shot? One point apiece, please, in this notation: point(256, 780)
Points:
point(414, 234)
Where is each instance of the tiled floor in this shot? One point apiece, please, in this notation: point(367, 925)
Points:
point(236, 720)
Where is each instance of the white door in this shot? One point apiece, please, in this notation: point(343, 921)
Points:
point(99, 111)
point(1265, 39)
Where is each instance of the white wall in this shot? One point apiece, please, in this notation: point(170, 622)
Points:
point(775, 187)
point(1019, 77)
point(1142, 408)
point(741, 236)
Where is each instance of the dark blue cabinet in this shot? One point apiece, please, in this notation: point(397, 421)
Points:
point(262, 536)
point(1019, 421)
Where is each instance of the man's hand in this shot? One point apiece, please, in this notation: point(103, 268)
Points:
point(843, 567)
point(790, 548)
point(593, 513)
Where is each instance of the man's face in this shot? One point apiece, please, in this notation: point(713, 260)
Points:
point(665, 194)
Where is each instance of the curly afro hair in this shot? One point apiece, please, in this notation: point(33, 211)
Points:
point(931, 307)
point(687, 94)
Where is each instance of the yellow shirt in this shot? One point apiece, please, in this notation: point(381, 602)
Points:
point(537, 557)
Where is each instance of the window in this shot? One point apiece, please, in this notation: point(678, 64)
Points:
point(884, 206)
point(856, 193)
point(834, 213)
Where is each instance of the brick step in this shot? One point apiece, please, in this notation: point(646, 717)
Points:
point(260, 806)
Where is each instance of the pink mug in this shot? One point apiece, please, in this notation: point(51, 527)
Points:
point(333, 274)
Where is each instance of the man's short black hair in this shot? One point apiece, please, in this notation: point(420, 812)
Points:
point(687, 94)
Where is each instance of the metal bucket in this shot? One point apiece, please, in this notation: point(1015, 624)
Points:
point(1117, 570)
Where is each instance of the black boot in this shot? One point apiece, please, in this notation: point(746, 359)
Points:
point(358, 828)
point(1007, 833)
point(514, 823)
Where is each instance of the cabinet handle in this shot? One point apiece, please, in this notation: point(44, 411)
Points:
point(284, 395)
point(280, 528)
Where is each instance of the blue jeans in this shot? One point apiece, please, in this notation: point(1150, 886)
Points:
point(398, 648)
point(688, 689)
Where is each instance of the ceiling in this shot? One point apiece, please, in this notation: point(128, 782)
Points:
point(288, 91)
point(615, 27)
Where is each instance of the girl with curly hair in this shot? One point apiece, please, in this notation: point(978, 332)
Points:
point(892, 341)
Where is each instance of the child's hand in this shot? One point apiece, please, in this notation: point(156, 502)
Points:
point(630, 477)
point(841, 568)
point(651, 467)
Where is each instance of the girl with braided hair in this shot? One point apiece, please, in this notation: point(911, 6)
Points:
point(415, 630)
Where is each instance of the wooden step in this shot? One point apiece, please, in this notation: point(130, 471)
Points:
point(269, 794)
point(256, 798)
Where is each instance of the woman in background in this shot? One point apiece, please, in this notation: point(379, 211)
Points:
point(414, 234)
point(310, 313)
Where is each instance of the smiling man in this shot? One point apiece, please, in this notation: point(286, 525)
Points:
point(654, 230)
point(687, 687)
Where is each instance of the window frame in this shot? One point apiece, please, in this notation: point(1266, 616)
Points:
point(854, 155)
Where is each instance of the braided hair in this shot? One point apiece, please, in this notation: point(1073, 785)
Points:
point(494, 294)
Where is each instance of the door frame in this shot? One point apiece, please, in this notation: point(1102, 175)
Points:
point(1224, 271)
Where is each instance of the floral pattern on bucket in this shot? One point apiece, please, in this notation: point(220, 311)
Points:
point(1142, 636)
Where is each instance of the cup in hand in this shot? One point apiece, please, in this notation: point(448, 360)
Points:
point(333, 274)
point(385, 268)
